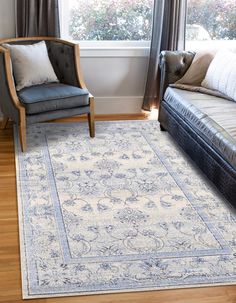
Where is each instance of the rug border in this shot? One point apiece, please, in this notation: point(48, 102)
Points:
point(28, 297)
point(24, 291)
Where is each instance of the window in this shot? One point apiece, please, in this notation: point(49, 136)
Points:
point(107, 20)
point(211, 23)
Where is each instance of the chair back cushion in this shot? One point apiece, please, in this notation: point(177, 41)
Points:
point(31, 65)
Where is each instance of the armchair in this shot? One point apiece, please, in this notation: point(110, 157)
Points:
point(44, 102)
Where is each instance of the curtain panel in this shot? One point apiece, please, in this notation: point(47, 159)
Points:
point(168, 33)
point(37, 18)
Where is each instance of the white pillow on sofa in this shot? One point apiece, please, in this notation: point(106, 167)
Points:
point(31, 65)
point(221, 74)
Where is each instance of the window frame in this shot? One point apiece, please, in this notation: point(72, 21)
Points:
point(104, 48)
point(197, 45)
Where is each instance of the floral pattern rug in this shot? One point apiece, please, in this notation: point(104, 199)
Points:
point(124, 211)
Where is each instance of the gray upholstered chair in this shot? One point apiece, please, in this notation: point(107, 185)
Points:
point(44, 102)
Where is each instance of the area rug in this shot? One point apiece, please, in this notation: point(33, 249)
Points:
point(125, 211)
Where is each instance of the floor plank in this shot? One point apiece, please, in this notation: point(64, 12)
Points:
point(10, 281)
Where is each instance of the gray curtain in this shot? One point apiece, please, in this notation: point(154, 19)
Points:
point(168, 33)
point(37, 18)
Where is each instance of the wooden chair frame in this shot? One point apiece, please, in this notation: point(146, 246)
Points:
point(14, 98)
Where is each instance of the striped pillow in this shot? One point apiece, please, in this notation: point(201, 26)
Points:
point(221, 74)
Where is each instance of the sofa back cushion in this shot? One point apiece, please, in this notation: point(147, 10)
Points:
point(221, 74)
point(198, 68)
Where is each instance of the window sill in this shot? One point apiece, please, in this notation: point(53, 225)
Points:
point(114, 51)
point(114, 48)
point(210, 45)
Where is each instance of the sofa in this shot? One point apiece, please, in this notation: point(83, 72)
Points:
point(203, 125)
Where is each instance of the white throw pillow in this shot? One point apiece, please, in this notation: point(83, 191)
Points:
point(31, 65)
point(221, 74)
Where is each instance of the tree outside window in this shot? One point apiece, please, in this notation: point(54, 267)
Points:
point(211, 20)
point(131, 20)
point(110, 20)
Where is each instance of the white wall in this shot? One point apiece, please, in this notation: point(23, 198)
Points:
point(116, 78)
point(117, 83)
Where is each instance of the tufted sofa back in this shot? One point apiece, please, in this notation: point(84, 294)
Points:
point(173, 66)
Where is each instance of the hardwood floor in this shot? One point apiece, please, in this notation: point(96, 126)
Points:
point(10, 281)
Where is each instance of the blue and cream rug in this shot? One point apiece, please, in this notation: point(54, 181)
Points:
point(125, 211)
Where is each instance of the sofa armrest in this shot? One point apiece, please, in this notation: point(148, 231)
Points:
point(173, 65)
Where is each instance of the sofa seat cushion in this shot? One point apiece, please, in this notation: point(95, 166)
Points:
point(213, 118)
point(51, 97)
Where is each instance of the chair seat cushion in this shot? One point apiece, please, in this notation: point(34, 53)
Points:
point(211, 117)
point(52, 96)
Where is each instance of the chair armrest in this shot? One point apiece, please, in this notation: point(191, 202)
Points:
point(9, 102)
point(173, 65)
point(65, 59)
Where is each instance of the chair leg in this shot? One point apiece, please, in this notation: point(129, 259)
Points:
point(4, 122)
point(162, 128)
point(22, 131)
point(91, 117)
